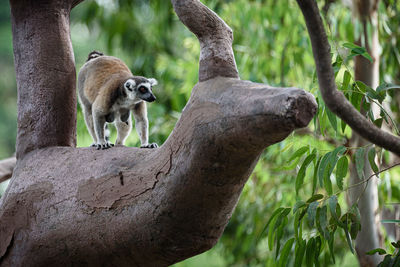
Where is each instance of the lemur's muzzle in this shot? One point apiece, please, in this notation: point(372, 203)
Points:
point(151, 98)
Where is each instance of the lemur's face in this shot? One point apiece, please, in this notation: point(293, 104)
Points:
point(140, 89)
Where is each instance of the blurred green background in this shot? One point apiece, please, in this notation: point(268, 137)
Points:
point(271, 46)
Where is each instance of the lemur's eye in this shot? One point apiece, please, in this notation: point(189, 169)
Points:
point(142, 89)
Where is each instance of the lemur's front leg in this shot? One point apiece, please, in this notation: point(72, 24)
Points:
point(142, 125)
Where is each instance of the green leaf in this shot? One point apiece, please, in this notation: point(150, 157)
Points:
point(299, 252)
point(359, 160)
point(330, 245)
point(315, 198)
point(285, 252)
point(275, 213)
point(271, 233)
point(310, 252)
point(371, 159)
point(341, 171)
point(328, 183)
point(387, 86)
point(338, 152)
point(322, 169)
point(302, 172)
point(362, 86)
point(367, 89)
point(318, 245)
point(355, 228)
point(367, 56)
point(346, 231)
point(355, 99)
point(356, 212)
point(332, 119)
point(276, 223)
point(346, 80)
point(357, 50)
point(311, 212)
point(380, 251)
point(350, 45)
point(299, 204)
point(279, 234)
point(299, 153)
point(396, 244)
point(343, 125)
point(387, 262)
point(334, 209)
point(378, 122)
point(332, 202)
point(296, 225)
point(322, 222)
point(386, 116)
point(315, 176)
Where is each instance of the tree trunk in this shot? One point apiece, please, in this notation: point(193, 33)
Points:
point(367, 195)
point(130, 206)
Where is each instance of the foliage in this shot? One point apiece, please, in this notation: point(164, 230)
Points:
point(293, 209)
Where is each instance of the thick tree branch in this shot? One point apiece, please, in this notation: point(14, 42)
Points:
point(137, 207)
point(215, 37)
point(45, 71)
point(334, 99)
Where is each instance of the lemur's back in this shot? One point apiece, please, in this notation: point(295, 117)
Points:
point(103, 73)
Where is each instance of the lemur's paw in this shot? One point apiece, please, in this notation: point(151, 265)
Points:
point(105, 145)
point(93, 145)
point(152, 145)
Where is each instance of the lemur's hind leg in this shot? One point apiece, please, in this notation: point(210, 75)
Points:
point(124, 127)
point(99, 123)
point(87, 113)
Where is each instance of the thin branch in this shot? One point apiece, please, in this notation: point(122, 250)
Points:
point(334, 99)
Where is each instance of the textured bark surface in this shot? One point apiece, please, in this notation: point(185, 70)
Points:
point(45, 72)
point(6, 168)
point(131, 207)
point(215, 37)
point(334, 99)
point(139, 207)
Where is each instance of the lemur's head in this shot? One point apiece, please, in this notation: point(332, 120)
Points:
point(140, 88)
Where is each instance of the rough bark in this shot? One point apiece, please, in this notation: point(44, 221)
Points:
point(6, 168)
point(367, 195)
point(138, 207)
point(334, 99)
point(45, 72)
point(216, 54)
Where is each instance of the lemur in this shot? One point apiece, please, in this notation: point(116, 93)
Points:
point(108, 92)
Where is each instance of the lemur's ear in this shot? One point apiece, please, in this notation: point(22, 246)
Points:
point(130, 84)
point(153, 81)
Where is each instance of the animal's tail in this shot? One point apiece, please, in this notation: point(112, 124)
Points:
point(94, 54)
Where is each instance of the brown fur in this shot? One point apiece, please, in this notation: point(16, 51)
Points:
point(105, 77)
point(101, 88)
